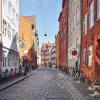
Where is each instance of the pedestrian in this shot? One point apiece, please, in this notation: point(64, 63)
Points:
point(25, 67)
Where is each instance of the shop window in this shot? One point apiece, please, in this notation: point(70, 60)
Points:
point(84, 57)
point(90, 55)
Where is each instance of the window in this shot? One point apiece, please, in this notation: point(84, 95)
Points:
point(74, 21)
point(4, 59)
point(98, 9)
point(85, 24)
point(13, 14)
point(92, 14)
point(13, 33)
point(90, 55)
point(84, 56)
point(71, 27)
point(17, 18)
point(4, 4)
point(4, 27)
point(78, 16)
point(78, 43)
point(9, 8)
point(9, 31)
point(9, 60)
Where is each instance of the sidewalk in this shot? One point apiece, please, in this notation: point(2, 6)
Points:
point(79, 90)
point(7, 84)
point(82, 87)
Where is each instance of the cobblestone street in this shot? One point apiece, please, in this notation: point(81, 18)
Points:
point(43, 84)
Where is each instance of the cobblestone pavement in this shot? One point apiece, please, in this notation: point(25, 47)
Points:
point(44, 84)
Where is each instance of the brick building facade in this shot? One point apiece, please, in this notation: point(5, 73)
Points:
point(63, 22)
point(90, 47)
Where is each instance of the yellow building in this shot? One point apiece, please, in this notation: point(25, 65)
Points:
point(28, 39)
point(57, 50)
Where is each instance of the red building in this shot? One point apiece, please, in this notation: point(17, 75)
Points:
point(63, 30)
point(90, 46)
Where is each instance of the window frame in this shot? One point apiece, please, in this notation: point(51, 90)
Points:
point(90, 47)
point(98, 9)
point(91, 17)
point(84, 61)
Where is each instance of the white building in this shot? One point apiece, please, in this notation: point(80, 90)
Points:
point(10, 30)
point(74, 32)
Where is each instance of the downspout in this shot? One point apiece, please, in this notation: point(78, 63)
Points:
point(81, 14)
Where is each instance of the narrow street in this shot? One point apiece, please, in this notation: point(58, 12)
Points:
point(44, 84)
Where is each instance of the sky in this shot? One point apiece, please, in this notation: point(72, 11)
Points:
point(47, 14)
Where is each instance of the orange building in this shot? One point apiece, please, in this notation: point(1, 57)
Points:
point(57, 50)
point(28, 39)
point(90, 47)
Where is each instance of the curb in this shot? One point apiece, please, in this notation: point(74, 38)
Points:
point(76, 95)
point(15, 82)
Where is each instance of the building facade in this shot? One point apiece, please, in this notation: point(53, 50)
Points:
point(74, 32)
point(39, 57)
point(53, 55)
point(90, 47)
point(28, 40)
point(10, 29)
point(46, 54)
point(57, 50)
point(0, 38)
point(63, 34)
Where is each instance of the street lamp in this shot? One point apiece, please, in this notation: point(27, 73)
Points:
point(45, 34)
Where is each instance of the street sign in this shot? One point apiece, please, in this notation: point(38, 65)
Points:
point(74, 52)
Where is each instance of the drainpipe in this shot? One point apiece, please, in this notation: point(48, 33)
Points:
point(81, 14)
